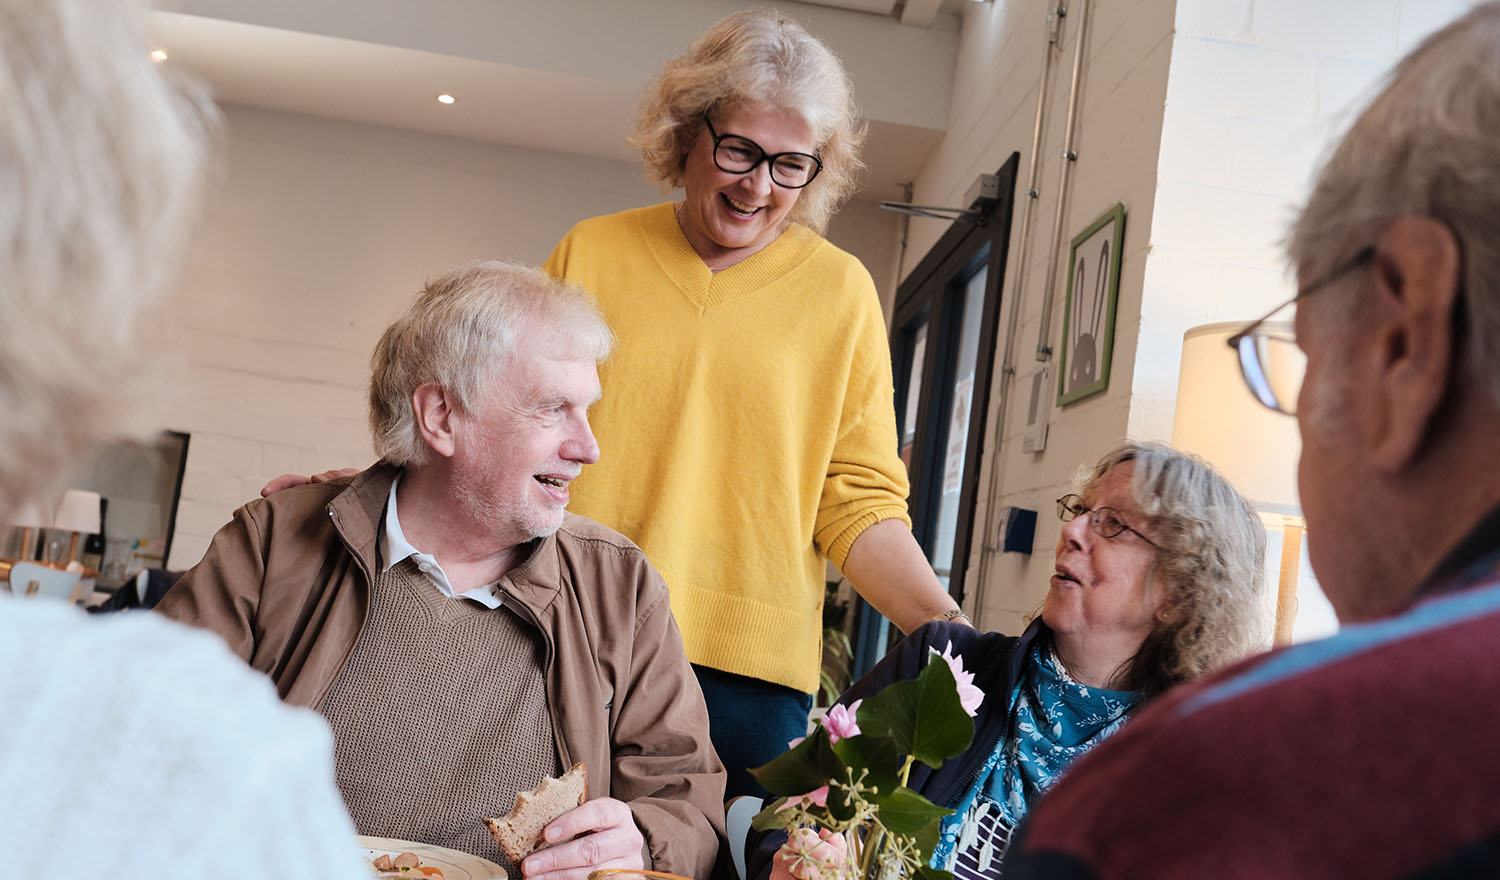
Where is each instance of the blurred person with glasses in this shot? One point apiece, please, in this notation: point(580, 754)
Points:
point(1270, 360)
point(1157, 579)
point(1371, 753)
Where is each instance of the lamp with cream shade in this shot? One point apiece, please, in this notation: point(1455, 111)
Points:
point(78, 513)
point(1254, 448)
point(29, 519)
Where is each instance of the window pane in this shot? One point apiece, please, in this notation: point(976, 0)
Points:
point(918, 344)
point(957, 429)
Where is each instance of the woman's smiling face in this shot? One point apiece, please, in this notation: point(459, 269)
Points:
point(728, 217)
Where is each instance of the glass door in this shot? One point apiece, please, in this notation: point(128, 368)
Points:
point(943, 349)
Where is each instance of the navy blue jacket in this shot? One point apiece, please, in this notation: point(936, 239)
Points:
point(994, 659)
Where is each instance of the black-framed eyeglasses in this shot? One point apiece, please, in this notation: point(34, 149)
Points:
point(1103, 521)
point(740, 155)
point(1270, 360)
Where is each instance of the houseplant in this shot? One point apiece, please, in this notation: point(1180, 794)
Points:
point(842, 794)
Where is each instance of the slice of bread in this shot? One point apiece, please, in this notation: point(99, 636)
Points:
point(519, 832)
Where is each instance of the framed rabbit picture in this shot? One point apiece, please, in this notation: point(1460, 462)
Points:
point(1088, 338)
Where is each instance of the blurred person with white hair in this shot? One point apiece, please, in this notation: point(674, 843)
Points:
point(131, 746)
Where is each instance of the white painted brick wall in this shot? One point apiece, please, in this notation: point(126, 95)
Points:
point(1225, 18)
point(1348, 28)
point(1418, 18)
point(1240, 79)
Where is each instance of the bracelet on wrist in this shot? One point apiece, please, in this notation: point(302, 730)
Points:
point(950, 614)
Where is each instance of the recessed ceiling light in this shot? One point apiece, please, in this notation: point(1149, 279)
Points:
point(446, 99)
point(158, 55)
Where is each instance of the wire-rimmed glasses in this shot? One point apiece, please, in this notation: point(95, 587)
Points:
point(1103, 521)
point(1270, 360)
point(740, 155)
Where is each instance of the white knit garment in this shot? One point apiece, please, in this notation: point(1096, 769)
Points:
point(131, 746)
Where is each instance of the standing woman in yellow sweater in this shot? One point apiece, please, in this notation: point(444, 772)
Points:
point(747, 426)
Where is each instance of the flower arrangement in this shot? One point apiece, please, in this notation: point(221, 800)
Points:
point(842, 791)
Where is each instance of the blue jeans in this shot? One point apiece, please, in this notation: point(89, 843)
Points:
point(750, 722)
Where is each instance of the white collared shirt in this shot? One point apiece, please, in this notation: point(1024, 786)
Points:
point(394, 547)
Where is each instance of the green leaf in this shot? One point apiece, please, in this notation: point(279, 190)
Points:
point(878, 755)
point(798, 770)
point(834, 769)
point(923, 715)
point(840, 806)
point(944, 729)
point(908, 813)
point(926, 840)
point(772, 817)
point(925, 872)
point(892, 713)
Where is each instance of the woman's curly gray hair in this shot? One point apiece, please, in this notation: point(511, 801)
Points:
point(756, 55)
point(1212, 563)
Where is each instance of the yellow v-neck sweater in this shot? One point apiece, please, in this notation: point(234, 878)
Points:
point(747, 429)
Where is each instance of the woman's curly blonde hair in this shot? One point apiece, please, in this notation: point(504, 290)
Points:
point(1212, 562)
point(756, 55)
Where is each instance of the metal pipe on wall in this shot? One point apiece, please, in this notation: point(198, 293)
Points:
point(903, 225)
point(1012, 322)
point(988, 544)
point(1069, 156)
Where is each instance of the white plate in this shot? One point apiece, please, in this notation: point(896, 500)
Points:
point(454, 864)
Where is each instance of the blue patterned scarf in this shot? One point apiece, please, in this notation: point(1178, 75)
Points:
point(1053, 721)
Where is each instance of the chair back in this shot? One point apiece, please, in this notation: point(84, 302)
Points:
point(737, 815)
point(35, 579)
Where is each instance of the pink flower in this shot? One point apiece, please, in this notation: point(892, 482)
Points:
point(818, 797)
point(840, 721)
point(813, 856)
point(968, 695)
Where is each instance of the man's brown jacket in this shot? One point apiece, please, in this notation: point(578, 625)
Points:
point(287, 585)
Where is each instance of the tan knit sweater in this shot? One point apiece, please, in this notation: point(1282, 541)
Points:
point(439, 717)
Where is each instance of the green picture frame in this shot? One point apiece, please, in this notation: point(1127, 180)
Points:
point(1088, 336)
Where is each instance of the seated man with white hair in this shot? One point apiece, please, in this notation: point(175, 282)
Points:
point(464, 636)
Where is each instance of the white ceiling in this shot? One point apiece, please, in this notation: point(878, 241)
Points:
point(384, 62)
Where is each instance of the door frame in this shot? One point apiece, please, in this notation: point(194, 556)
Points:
point(929, 288)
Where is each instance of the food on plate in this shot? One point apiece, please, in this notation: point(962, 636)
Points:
point(519, 832)
point(403, 865)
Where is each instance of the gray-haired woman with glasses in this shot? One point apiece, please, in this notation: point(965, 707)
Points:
point(1157, 579)
point(746, 427)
